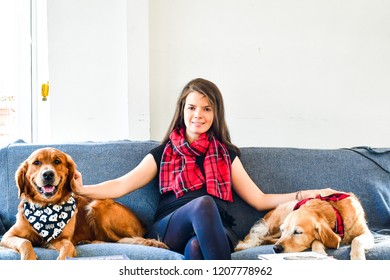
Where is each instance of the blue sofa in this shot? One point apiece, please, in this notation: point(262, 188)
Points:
point(364, 171)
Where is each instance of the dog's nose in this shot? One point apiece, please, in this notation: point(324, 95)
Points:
point(48, 175)
point(278, 248)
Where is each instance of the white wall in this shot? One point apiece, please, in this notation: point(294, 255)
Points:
point(88, 69)
point(293, 73)
point(138, 69)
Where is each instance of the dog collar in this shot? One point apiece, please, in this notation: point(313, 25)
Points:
point(339, 227)
point(49, 220)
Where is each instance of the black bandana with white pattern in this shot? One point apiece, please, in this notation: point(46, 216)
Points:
point(50, 220)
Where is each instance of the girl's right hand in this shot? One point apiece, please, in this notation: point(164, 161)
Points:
point(77, 186)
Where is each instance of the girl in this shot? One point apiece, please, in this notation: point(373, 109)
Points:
point(198, 169)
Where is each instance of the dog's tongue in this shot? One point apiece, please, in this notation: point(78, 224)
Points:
point(48, 188)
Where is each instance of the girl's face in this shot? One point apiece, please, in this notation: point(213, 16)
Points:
point(198, 115)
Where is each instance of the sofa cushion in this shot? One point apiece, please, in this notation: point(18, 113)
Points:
point(133, 252)
point(380, 251)
point(3, 188)
point(2, 228)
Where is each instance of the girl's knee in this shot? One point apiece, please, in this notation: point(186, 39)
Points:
point(192, 250)
point(205, 202)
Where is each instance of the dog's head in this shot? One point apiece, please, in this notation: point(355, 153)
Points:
point(46, 176)
point(303, 226)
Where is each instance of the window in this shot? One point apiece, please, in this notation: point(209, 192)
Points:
point(23, 69)
point(15, 71)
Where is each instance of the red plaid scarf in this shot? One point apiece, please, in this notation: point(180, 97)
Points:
point(339, 227)
point(179, 172)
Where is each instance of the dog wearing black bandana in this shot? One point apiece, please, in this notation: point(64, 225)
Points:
point(318, 223)
point(51, 215)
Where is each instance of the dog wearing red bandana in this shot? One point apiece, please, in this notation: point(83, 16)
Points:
point(318, 223)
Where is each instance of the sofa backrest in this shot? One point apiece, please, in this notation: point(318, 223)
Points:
point(97, 161)
point(363, 171)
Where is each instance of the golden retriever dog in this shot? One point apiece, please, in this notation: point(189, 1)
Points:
point(51, 215)
point(317, 223)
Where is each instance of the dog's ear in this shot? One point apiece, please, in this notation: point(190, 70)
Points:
point(72, 170)
point(20, 178)
point(327, 236)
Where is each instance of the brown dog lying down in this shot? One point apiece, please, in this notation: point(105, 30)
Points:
point(316, 223)
point(51, 215)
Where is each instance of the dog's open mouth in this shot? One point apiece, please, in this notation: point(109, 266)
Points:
point(47, 190)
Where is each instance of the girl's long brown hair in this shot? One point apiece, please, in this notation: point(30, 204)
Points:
point(219, 127)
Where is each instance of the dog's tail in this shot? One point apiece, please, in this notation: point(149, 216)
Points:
point(143, 241)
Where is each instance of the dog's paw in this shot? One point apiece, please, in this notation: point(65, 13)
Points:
point(318, 247)
point(27, 251)
point(239, 247)
point(29, 256)
point(156, 243)
point(242, 245)
point(357, 254)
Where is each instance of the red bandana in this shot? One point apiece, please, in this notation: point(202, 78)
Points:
point(339, 227)
point(179, 172)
